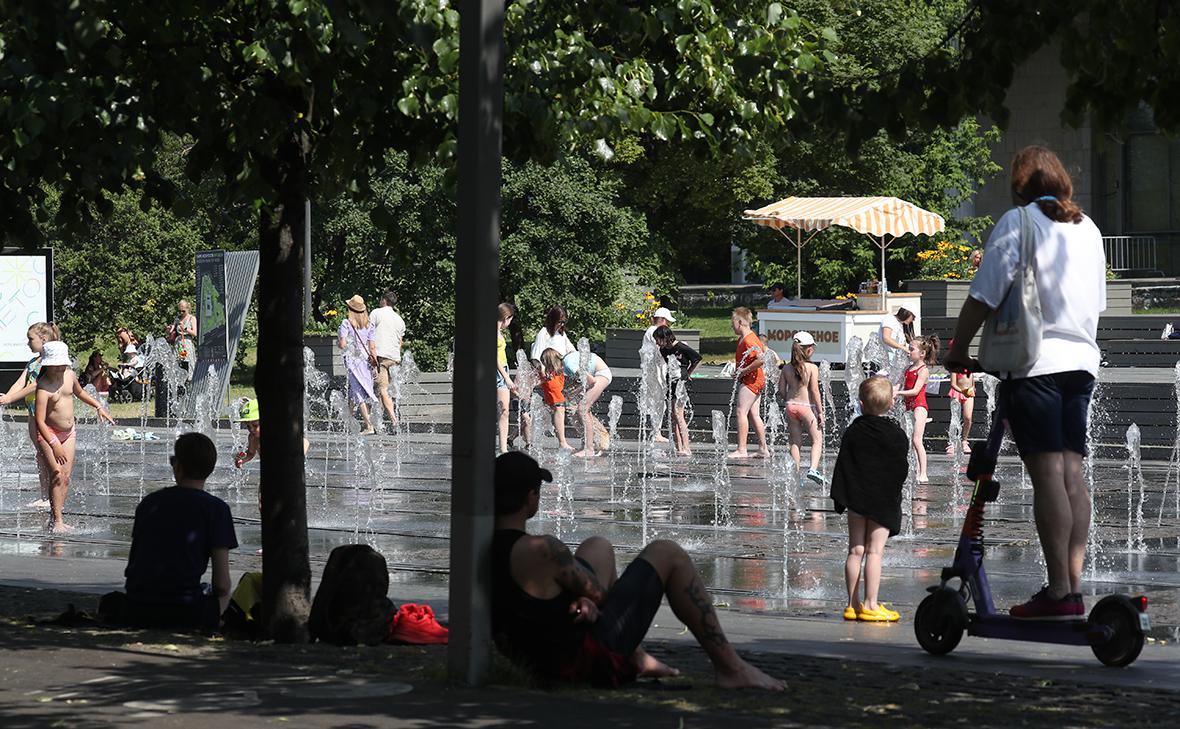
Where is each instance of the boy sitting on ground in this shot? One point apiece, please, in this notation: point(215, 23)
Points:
point(178, 531)
point(567, 617)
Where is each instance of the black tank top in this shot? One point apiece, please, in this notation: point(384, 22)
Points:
point(540, 632)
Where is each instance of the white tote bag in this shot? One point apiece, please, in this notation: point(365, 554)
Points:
point(1012, 333)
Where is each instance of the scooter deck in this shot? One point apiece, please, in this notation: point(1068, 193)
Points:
point(1063, 632)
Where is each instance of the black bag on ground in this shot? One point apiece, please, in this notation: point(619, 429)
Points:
point(351, 605)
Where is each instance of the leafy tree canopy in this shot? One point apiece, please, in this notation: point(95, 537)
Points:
point(90, 89)
point(567, 239)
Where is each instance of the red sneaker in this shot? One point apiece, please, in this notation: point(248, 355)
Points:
point(416, 625)
point(1044, 607)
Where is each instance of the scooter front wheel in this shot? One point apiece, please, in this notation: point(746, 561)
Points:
point(940, 621)
point(1116, 613)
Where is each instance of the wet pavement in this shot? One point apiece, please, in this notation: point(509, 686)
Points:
point(737, 519)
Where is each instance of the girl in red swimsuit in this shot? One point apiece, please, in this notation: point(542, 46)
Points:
point(923, 353)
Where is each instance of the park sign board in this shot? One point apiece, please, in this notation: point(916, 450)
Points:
point(212, 324)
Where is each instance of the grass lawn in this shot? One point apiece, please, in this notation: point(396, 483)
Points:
point(717, 338)
point(1159, 310)
point(713, 322)
point(134, 410)
point(241, 385)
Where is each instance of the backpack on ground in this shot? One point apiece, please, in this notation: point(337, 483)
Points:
point(351, 605)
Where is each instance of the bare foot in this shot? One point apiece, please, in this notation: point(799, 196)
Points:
point(651, 668)
point(746, 676)
point(657, 438)
point(584, 454)
point(738, 454)
point(923, 479)
point(566, 447)
point(764, 453)
point(60, 527)
point(684, 453)
point(38, 504)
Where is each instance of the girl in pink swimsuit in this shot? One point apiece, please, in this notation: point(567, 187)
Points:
point(799, 384)
point(923, 353)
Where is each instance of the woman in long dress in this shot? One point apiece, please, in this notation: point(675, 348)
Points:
point(355, 334)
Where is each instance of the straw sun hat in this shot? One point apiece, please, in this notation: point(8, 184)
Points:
point(357, 304)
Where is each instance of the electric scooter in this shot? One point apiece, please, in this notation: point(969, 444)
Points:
point(1114, 630)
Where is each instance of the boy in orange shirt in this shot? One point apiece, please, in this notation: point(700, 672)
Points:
point(552, 384)
point(751, 381)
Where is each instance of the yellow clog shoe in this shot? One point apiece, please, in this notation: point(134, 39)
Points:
point(871, 616)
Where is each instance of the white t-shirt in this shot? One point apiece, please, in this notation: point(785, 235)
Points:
point(896, 330)
point(388, 332)
point(544, 341)
point(1071, 281)
point(783, 303)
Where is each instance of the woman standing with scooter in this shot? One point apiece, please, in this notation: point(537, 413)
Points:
point(1046, 404)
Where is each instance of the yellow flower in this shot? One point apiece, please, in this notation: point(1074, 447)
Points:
point(964, 248)
point(331, 312)
point(841, 297)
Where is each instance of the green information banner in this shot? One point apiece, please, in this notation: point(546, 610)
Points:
point(212, 325)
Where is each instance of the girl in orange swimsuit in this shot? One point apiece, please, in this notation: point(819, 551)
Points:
point(923, 353)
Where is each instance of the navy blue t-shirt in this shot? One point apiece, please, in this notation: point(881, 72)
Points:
point(176, 530)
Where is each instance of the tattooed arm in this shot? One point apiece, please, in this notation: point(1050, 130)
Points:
point(570, 574)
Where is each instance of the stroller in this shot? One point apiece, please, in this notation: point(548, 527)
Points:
point(128, 384)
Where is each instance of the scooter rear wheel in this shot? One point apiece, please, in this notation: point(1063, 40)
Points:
point(1122, 618)
point(940, 621)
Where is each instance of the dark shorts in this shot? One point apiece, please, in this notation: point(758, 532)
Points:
point(626, 614)
point(1047, 413)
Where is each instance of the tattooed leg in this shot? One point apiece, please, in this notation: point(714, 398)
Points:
point(693, 605)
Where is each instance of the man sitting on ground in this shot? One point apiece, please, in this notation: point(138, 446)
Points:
point(567, 616)
point(178, 530)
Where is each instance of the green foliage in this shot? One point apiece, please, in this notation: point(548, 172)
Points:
point(90, 88)
point(566, 240)
point(130, 266)
point(1117, 54)
point(129, 269)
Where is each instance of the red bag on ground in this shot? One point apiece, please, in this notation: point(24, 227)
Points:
point(416, 625)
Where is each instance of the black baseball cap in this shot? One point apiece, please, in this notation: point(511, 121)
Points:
point(516, 469)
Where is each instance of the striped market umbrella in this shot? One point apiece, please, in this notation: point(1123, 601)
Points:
point(882, 219)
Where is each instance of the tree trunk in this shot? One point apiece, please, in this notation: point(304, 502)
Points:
point(278, 381)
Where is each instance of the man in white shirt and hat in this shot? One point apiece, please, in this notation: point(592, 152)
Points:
point(660, 317)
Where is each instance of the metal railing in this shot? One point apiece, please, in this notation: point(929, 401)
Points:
point(1130, 252)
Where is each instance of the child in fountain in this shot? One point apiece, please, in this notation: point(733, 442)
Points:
point(963, 390)
point(923, 353)
point(552, 390)
point(751, 381)
point(799, 385)
point(505, 387)
point(597, 380)
point(867, 480)
point(687, 359)
point(57, 386)
point(248, 415)
point(25, 388)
